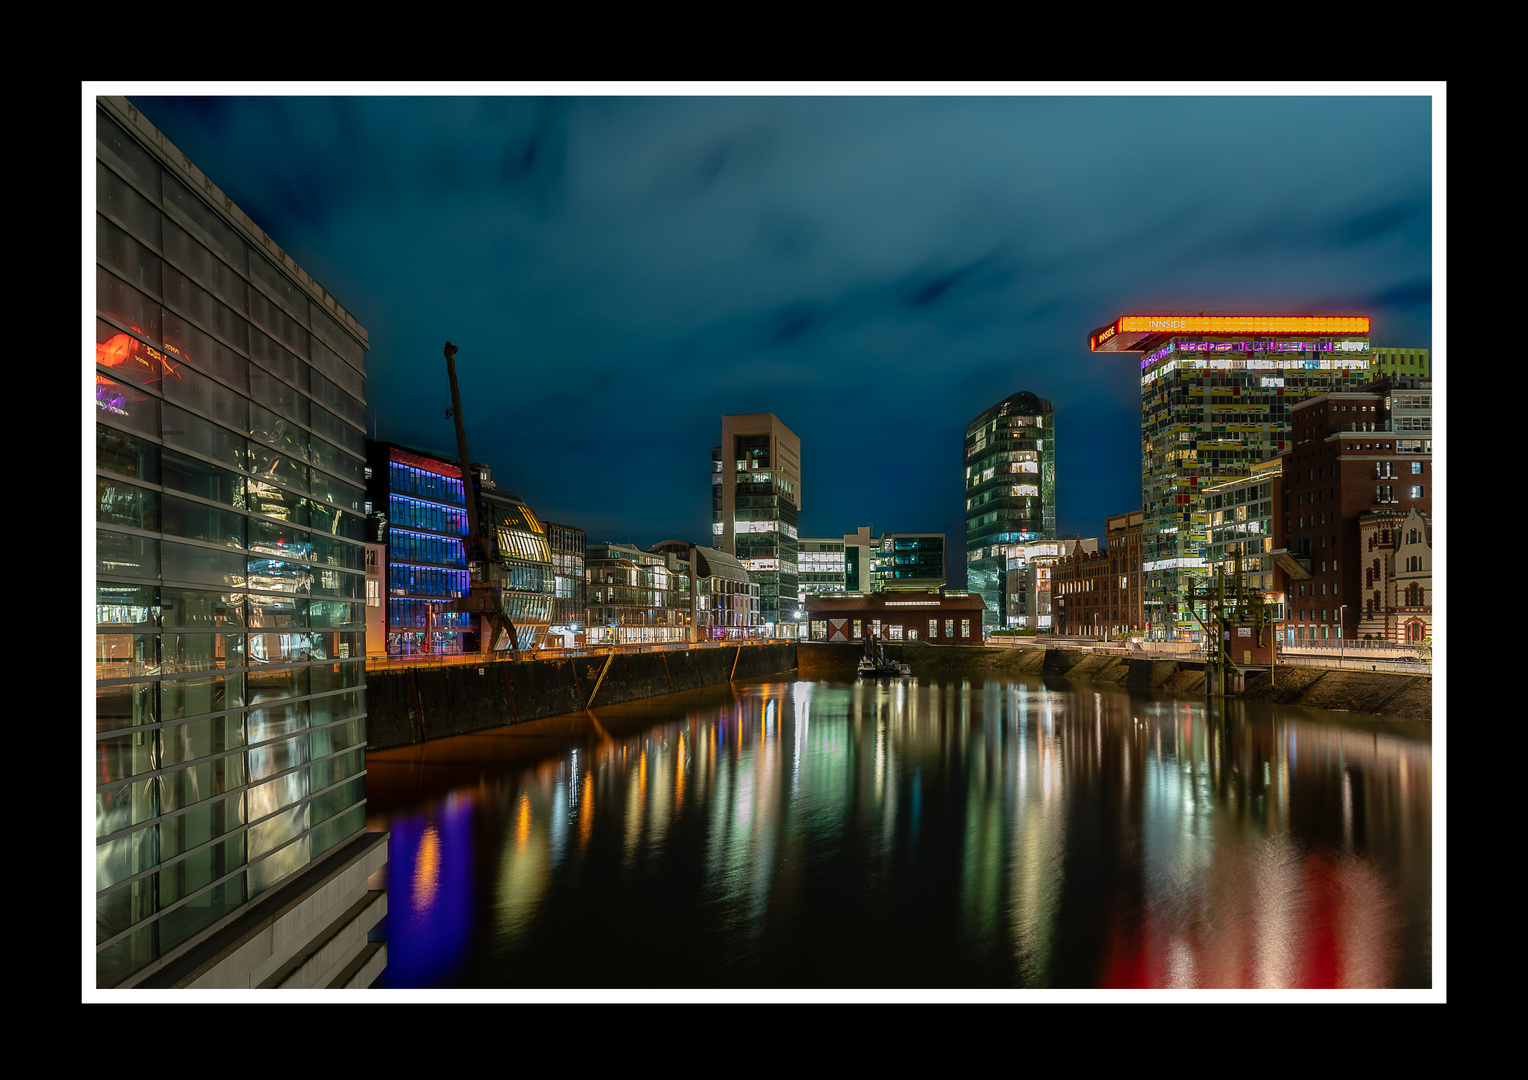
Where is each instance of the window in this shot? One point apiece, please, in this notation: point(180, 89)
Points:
point(1416, 468)
point(965, 628)
point(1416, 491)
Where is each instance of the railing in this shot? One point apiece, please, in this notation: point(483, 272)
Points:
point(398, 663)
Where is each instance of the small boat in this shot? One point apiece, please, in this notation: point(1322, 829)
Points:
point(874, 663)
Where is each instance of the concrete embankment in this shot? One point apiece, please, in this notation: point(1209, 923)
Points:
point(1405, 697)
point(417, 705)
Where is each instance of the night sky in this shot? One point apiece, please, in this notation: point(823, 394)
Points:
point(619, 272)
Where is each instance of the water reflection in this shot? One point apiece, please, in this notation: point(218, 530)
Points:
point(912, 834)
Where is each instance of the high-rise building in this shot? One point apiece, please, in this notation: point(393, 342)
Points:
point(230, 754)
point(1216, 392)
point(859, 562)
point(1010, 482)
point(755, 501)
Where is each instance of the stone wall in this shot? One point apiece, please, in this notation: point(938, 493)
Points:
point(1407, 697)
point(426, 703)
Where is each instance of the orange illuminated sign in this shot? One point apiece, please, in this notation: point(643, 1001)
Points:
point(1243, 324)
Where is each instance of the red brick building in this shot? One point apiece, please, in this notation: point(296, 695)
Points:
point(937, 619)
point(1352, 454)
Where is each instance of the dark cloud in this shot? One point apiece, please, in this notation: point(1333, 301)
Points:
point(620, 272)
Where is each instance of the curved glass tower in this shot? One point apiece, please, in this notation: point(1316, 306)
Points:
point(1010, 453)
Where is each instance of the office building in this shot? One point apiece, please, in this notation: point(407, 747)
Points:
point(821, 568)
point(419, 517)
point(1216, 396)
point(724, 598)
point(1390, 360)
point(909, 562)
point(527, 576)
point(1027, 583)
point(570, 620)
point(230, 750)
point(755, 502)
point(1244, 519)
point(861, 563)
point(1348, 462)
point(1010, 483)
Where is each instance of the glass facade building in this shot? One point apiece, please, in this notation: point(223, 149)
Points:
point(419, 514)
point(230, 747)
point(518, 540)
point(1216, 395)
point(755, 502)
point(1010, 482)
point(909, 562)
point(568, 545)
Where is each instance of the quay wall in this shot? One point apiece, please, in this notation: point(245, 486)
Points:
point(415, 705)
point(1383, 693)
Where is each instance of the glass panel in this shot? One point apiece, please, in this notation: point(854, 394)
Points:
point(202, 350)
point(118, 910)
point(123, 656)
point(129, 306)
point(200, 694)
point(270, 612)
point(277, 830)
point(119, 503)
point(118, 961)
point(123, 554)
point(118, 757)
point(125, 406)
point(276, 502)
point(276, 794)
point(327, 740)
point(203, 268)
point(275, 685)
point(277, 323)
point(193, 607)
point(272, 721)
point(271, 466)
point(200, 911)
point(193, 477)
point(199, 565)
point(125, 856)
point(117, 197)
point(277, 757)
point(199, 521)
point(286, 291)
point(278, 360)
point(190, 388)
point(125, 804)
point(125, 605)
point(195, 827)
point(206, 780)
point(200, 738)
point(191, 432)
point(332, 833)
point(125, 705)
point(126, 455)
point(130, 258)
point(204, 223)
point(283, 864)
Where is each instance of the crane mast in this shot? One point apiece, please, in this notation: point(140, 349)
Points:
point(485, 575)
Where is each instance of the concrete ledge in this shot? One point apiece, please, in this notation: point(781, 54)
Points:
point(362, 971)
point(333, 949)
point(266, 933)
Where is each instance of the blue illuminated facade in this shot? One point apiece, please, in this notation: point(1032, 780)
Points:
point(424, 529)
